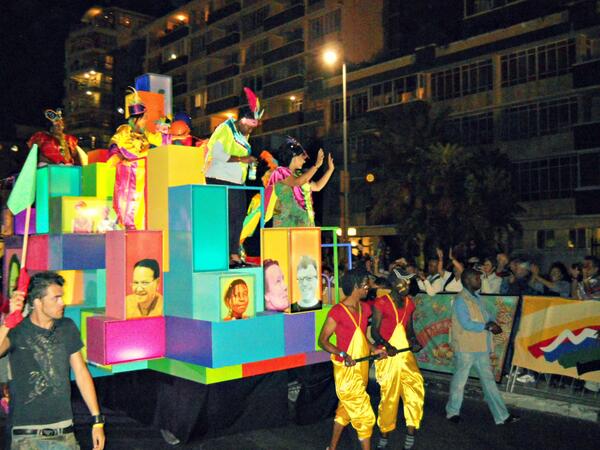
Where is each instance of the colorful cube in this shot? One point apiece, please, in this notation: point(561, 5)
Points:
point(98, 180)
point(170, 165)
point(81, 215)
point(54, 181)
point(160, 84)
point(297, 251)
point(111, 341)
point(20, 222)
point(133, 274)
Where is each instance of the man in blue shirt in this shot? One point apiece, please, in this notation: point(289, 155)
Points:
point(471, 342)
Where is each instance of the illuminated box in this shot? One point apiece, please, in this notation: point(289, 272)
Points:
point(134, 274)
point(220, 344)
point(98, 180)
point(73, 289)
point(20, 222)
point(198, 216)
point(94, 288)
point(155, 107)
point(111, 341)
point(54, 181)
point(297, 252)
point(81, 215)
point(77, 251)
point(169, 165)
point(159, 84)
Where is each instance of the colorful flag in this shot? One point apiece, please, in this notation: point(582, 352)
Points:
point(559, 336)
point(23, 193)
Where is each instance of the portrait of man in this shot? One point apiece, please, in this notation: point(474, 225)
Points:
point(145, 300)
point(236, 300)
point(276, 291)
point(308, 283)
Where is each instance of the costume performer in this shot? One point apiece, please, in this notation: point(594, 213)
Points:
point(349, 321)
point(56, 147)
point(288, 193)
point(128, 152)
point(229, 153)
point(398, 376)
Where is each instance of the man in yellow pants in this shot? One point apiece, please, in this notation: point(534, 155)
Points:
point(398, 376)
point(349, 320)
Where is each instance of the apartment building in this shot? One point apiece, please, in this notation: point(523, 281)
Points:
point(90, 104)
point(212, 49)
point(527, 86)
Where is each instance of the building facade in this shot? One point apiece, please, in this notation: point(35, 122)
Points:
point(514, 74)
point(521, 81)
point(90, 94)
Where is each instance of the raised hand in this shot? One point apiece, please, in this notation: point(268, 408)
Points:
point(330, 164)
point(320, 158)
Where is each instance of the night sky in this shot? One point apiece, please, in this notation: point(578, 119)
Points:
point(33, 34)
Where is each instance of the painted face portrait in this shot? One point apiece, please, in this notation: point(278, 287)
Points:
point(276, 291)
point(144, 285)
point(237, 300)
point(145, 299)
point(307, 281)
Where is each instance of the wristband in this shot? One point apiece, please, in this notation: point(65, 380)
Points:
point(98, 419)
point(13, 319)
point(343, 355)
point(98, 425)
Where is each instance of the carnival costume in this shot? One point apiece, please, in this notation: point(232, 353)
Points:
point(293, 206)
point(227, 142)
point(399, 376)
point(128, 152)
point(56, 148)
point(351, 382)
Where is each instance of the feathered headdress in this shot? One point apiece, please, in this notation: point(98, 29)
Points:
point(53, 116)
point(254, 104)
point(135, 105)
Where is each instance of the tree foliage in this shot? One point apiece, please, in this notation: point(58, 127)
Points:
point(438, 191)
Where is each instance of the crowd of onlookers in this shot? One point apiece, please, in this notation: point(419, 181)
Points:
point(500, 274)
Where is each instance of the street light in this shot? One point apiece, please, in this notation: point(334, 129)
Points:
point(330, 57)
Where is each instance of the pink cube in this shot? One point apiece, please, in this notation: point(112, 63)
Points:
point(113, 341)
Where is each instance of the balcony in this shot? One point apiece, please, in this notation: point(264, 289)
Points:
point(586, 135)
point(281, 87)
point(224, 12)
point(223, 104)
point(287, 51)
point(173, 63)
point(284, 17)
point(292, 119)
point(222, 43)
point(585, 74)
point(174, 35)
point(226, 72)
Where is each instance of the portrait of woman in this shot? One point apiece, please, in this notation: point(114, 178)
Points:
point(236, 300)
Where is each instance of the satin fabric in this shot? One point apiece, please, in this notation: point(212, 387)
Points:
point(351, 386)
point(399, 378)
point(129, 197)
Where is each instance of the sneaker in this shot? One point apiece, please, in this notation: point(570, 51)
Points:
point(454, 419)
point(510, 419)
point(527, 378)
point(169, 437)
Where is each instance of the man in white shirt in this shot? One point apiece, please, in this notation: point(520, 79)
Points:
point(436, 277)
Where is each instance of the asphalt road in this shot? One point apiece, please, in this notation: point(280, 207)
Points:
point(535, 430)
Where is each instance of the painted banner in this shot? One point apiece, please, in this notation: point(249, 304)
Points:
point(559, 336)
point(432, 319)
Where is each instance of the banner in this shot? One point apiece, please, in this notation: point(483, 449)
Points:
point(432, 319)
point(559, 336)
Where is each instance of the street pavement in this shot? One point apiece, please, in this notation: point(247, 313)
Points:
point(476, 430)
